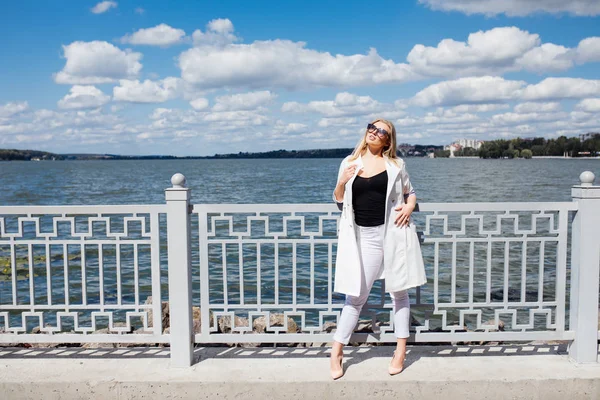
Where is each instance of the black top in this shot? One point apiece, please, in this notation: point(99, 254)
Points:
point(368, 199)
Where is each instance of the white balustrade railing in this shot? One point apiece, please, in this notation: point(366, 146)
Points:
point(67, 270)
point(496, 272)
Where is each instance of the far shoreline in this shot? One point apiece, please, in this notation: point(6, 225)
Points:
point(184, 158)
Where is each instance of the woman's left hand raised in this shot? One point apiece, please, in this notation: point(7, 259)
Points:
point(403, 216)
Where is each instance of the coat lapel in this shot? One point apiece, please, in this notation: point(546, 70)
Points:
point(348, 193)
point(392, 170)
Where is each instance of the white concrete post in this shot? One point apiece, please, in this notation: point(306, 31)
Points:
point(585, 270)
point(180, 272)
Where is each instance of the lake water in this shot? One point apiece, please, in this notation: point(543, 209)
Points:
point(280, 180)
point(260, 181)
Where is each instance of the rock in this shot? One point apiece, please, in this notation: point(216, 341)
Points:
point(225, 323)
point(99, 345)
point(92, 345)
point(364, 326)
point(500, 325)
point(328, 327)
point(44, 345)
point(37, 331)
point(139, 331)
point(165, 314)
point(259, 324)
point(197, 322)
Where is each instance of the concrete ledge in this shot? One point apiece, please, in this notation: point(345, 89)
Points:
point(432, 372)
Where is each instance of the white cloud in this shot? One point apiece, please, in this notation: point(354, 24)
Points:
point(562, 88)
point(40, 115)
point(282, 63)
point(486, 89)
point(337, 121)
point(161, 35)
point(147, 91)
point(219, 32)
point(478, 108)
point(66, 129)
point(438, 117)
point(103, 7)
point(547, 57)
point(218, 62)
point(521, 118)
point(220, 25)
point(83, 97)
point(294, 106)
point(495, 50)
point(345, 104)
point(97, 62)
point(589, 105)
point(199, 104)
point(292, 127)
point(236, 119)
point(161, 112)
point(448, 117)
point(170, 120)
point(532, 107)
point(243, 101)
point(516, 8)
point(489, 89)
point(10, 109)
point(588, 50)
point(139, 10)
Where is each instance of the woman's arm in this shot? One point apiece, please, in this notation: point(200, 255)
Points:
point(338, 193)
point(410, 200)
point(346, 172)
point(404, 210)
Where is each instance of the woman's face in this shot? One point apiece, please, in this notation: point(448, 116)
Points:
point(378, 136)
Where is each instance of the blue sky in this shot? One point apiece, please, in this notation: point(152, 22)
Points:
point(198, 78)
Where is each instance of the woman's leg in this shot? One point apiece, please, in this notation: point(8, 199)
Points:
point(370, 245)
point(401, 329)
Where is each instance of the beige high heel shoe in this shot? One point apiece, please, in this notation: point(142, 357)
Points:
point(395, 371)
point(337, 374)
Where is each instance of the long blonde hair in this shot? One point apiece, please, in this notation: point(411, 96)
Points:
point(389, 150)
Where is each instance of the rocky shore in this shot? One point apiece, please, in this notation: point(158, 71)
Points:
point(224, 325)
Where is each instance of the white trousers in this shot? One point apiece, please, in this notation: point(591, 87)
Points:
point(370, 245)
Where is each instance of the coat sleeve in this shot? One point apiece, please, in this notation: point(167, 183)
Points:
point(339, 203)
point(407, 188)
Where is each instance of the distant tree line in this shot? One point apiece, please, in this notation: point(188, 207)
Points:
point(525, 148)
point(324, 153)
point(27, 155)
point(536, 147)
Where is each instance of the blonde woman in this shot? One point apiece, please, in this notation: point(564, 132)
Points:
point(376, 237)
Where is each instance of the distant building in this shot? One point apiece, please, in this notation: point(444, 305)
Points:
point(453, 147)
point(473, 143)
point(463, 143)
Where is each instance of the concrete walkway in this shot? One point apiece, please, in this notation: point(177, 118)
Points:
point(432, 372)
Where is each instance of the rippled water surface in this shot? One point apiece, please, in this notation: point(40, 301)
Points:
point(259, 181)
point(279, 180)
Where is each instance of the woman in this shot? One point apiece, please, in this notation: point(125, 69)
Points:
point(376, 239)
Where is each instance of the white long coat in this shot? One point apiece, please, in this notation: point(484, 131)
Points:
point(403, 263)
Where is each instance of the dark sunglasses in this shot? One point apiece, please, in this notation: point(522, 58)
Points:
point(380, 132)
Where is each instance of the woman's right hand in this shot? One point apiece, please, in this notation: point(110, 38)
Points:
point(347, 174)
